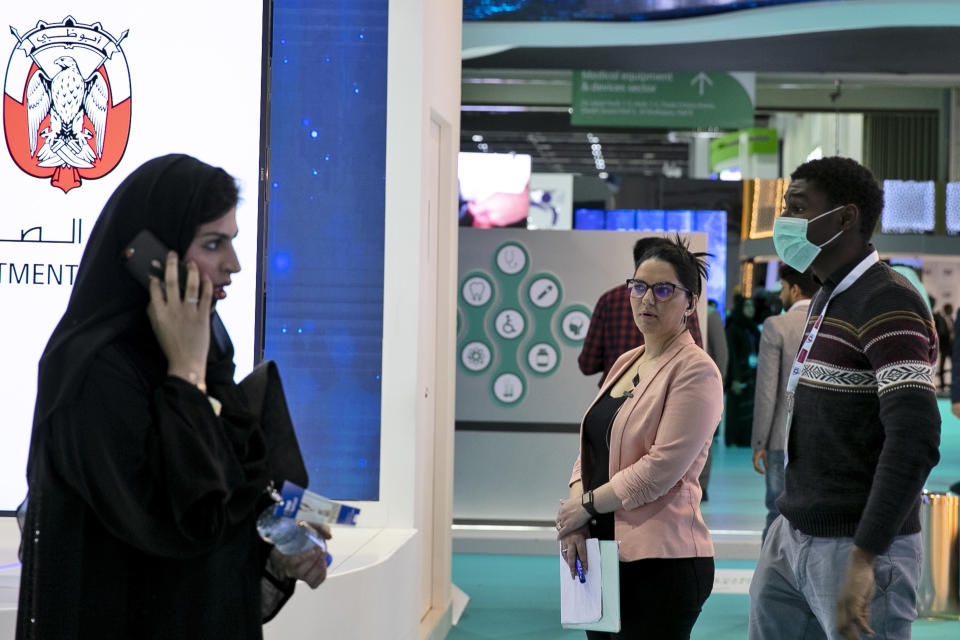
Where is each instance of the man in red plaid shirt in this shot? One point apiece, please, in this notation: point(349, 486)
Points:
point(613, 329)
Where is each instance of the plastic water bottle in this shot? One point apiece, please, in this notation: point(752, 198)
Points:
point(286, 534)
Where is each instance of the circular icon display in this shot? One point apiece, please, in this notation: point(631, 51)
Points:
point(542, 357)
point(544, 292)
point(508, 388)
point(476, 291)
point(475, 356)
point(511, 259)
point(574, 325)
point(509, 324)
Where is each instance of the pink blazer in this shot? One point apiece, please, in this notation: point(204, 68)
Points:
point(658, 445)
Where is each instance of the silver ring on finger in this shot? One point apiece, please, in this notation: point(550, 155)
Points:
point(192, 300)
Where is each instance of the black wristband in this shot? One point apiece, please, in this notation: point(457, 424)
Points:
point(586, 501)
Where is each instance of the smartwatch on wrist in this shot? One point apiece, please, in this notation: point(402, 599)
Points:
point(586, 501)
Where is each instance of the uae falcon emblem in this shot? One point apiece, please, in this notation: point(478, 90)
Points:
point(66, 102)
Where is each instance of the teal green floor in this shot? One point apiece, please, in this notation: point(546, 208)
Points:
point(515, 597)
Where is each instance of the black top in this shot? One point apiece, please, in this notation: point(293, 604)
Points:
point(145, 508)
point(596, 428)
point(164, 195)
point(142, 500)
point(866, 427)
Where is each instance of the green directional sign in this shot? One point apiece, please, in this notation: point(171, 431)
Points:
point(662, 99)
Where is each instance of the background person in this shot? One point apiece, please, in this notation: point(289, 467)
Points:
point(844, 554)
point(943, 322)
point(717, 350)
point(643, 441)
point(717, 338)
point(147, 469)
point(779, 342)
point(743, 337)
point(955, 377)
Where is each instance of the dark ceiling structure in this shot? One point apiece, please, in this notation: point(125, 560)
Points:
point(557, 147)
point(884, 50)
point(545, 132)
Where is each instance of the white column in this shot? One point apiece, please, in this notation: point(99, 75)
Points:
point(420, 266)
point(391, 575)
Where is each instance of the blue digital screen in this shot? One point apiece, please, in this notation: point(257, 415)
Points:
point(712, 223)
point(621, 220)
point(323, 319)
point(589, 219)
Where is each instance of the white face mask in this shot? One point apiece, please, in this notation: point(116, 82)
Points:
point(790, 240)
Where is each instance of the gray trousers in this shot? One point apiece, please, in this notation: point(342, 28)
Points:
point(793, 594)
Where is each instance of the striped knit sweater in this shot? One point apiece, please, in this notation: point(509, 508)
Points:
point(866, 428)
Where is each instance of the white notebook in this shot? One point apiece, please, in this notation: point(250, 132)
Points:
point(595, 603)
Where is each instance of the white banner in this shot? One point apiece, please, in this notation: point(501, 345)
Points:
point(91, 91)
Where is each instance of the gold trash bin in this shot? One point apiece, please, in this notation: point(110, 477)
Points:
point(937, 594)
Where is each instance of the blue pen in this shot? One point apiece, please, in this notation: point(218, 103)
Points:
point(580, 575)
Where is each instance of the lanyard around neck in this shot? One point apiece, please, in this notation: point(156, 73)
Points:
point(807, 345)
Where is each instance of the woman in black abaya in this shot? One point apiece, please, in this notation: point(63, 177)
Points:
point(147, 469)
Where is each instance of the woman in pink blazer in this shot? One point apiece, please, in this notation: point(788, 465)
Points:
point(643, 441)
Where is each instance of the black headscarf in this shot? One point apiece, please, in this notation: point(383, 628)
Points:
point(738, 318)
point(166, 196)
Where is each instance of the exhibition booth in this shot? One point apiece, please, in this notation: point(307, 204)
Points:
point(322, 218)
point(425, 298)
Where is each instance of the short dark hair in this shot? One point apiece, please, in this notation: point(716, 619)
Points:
point(691, 267)
point(846, 181)
point(803, 280)
point(643, 245)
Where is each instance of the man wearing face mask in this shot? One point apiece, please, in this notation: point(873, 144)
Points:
point(862, 425)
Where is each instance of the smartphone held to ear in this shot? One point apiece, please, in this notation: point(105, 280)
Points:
point(146, 256)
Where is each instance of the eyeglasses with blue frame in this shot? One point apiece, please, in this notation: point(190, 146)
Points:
point(662, 291)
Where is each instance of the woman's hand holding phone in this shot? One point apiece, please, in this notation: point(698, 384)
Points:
point(182, 326)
